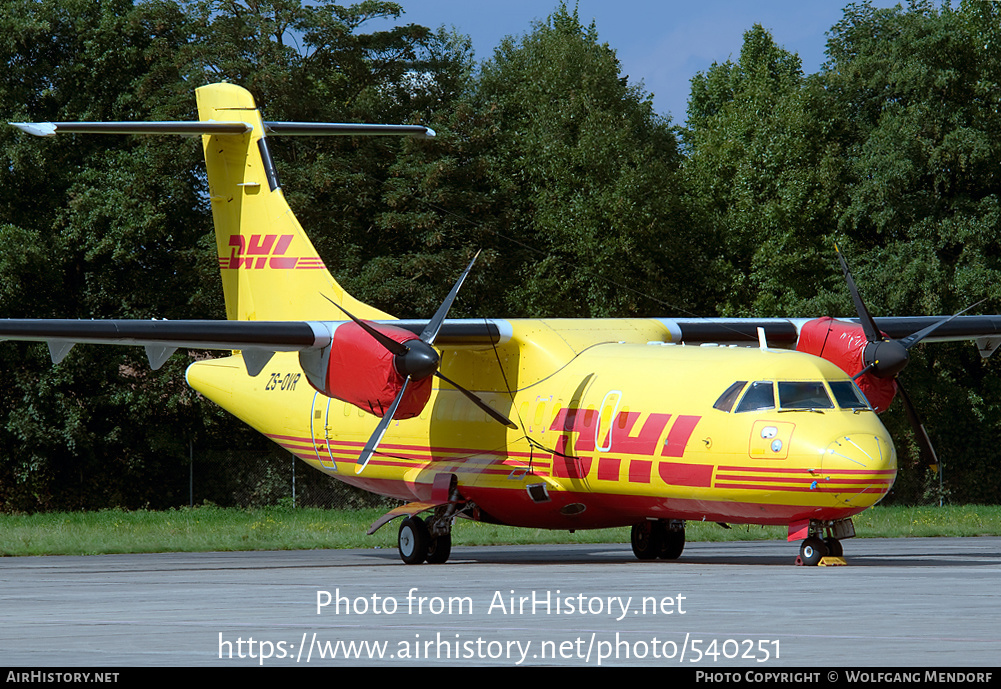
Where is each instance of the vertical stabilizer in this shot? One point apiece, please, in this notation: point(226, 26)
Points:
point(270, 270)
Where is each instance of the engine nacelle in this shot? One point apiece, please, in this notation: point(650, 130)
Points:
point(843, 344)
point(356, 369)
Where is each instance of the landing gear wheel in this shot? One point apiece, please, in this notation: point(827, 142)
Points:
point(672, 544)
point(413, 541)
point(812, 551)
point(647, 539)
point(834, 548)
point(439, 548)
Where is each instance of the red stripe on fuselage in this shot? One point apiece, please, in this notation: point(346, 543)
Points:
point(691, 475)
point(677, 439)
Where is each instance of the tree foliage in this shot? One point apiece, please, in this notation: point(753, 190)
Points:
point(85, 225)
point(556, 166)
point(119, 227)
point(584, 161)
point(762, 177)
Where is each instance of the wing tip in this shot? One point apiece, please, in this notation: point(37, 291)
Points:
point(35, 128)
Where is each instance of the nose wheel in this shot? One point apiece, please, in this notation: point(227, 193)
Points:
point(818, 546)
point(812, 551)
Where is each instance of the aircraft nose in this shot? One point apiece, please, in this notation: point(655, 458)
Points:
point(859, 467)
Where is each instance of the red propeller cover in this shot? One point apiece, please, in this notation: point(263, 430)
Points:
point(842, 343)
point(361, 372)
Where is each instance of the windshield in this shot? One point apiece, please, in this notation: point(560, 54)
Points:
point(848, 395)
point(810, 394)
point(759, 396)
point(793, 395)
point(729, 396)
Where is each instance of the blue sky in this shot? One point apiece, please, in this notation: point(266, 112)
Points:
point(661, 43)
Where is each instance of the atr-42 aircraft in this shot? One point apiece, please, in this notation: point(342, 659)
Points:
point(556, 424)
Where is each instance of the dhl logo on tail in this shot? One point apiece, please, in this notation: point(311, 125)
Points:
point(266, 251)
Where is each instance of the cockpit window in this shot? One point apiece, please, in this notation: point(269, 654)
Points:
point(848, 395)
point(759, 396)
point(809, 394)
point(726, 400)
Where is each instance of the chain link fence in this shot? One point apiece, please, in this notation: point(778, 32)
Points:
point(272, 476)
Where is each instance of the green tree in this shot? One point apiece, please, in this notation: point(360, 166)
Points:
point(85, 224)
point(561, 170)
point(915, 93)
point(590, 170)
point(891, 150)
point(763, 178)
point(119, 227)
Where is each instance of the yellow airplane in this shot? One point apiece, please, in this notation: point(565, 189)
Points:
point(556, 424)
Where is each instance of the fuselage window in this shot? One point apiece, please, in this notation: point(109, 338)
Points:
point(726, 400)
point(848, 395)
point(809, 394)
point(759, 396)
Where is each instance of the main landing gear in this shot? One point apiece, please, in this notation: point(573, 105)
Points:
point(661, 538)
point(417, 545)
point(419, 541)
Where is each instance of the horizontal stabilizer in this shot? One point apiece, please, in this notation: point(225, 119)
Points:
point(350, 129)
point(216, 128)
point(184, 128)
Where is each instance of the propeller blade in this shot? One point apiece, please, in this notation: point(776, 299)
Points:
point(928, 454)
point(389, 343)
point(380, 430)
point(416, 363)
point(430, 332)
point(912, 340)
point(868, 324)
point(865, 370)
point(494, 414)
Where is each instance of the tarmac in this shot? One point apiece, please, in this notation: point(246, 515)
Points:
point(900, 603)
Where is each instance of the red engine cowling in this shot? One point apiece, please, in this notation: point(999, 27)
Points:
point(360, 371)
point(842, 343)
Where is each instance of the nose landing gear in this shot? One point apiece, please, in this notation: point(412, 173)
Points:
point(817, 549)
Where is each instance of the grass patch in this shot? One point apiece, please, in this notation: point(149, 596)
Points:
point(209, 528)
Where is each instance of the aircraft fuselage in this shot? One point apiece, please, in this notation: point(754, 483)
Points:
point(616, 426)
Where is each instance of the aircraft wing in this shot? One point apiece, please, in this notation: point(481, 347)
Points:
point(784, 332)
point(960, 328)
point(258, 340)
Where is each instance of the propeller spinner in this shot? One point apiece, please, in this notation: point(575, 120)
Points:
point(416, 360)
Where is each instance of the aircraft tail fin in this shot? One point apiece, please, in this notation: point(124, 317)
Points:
point(270, 270)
